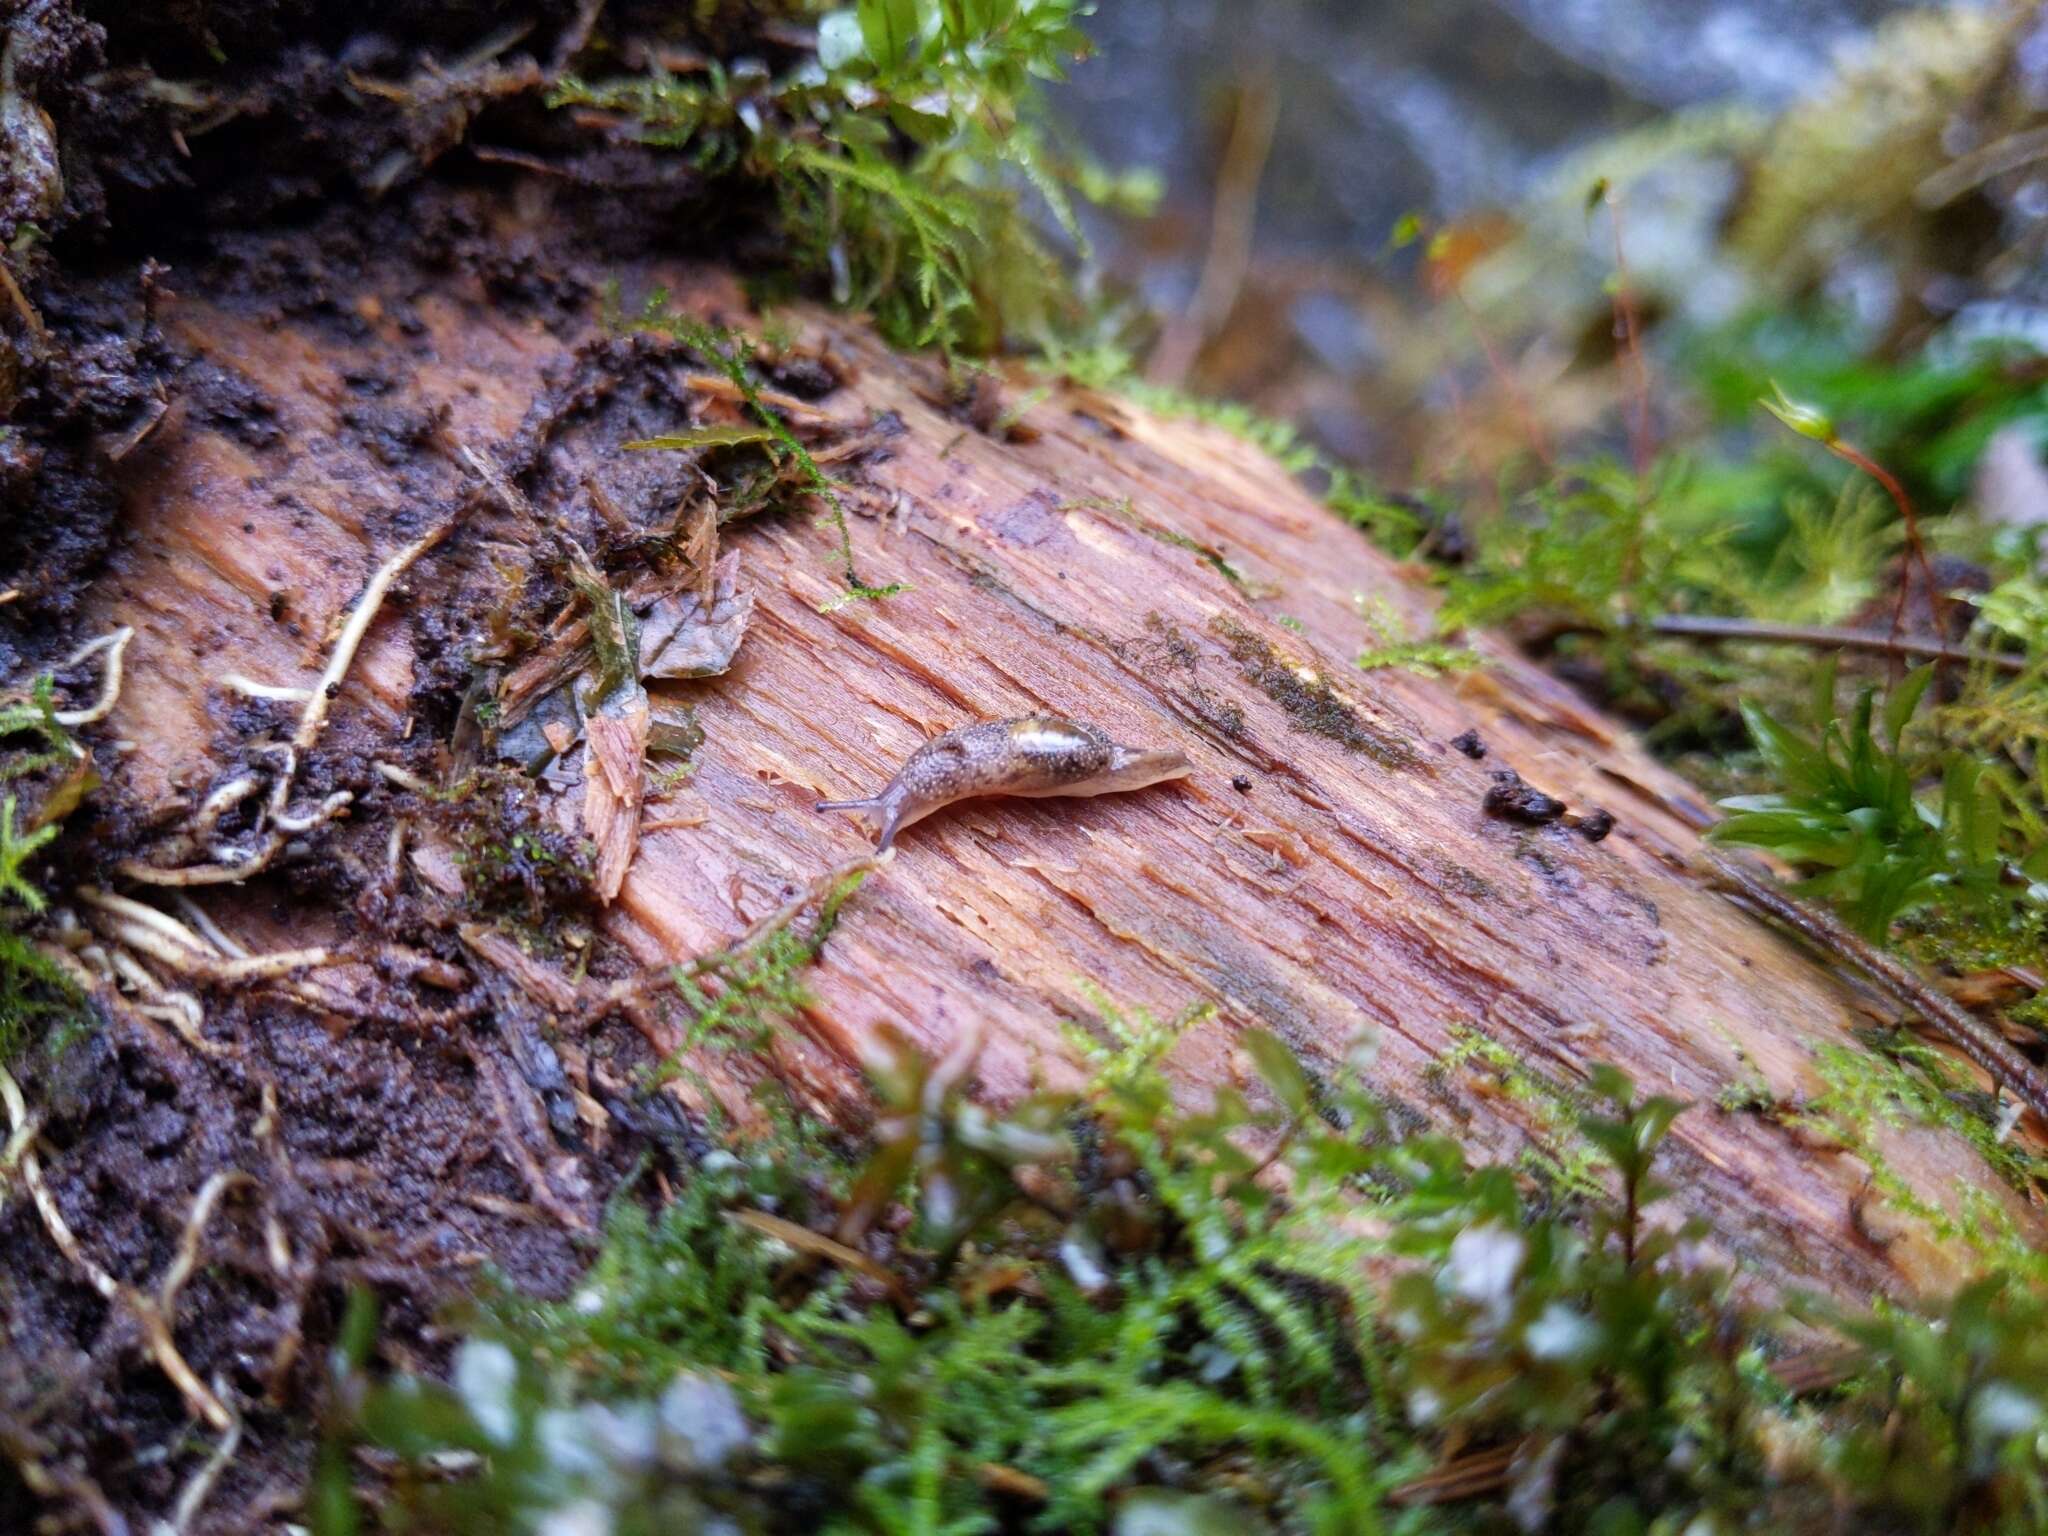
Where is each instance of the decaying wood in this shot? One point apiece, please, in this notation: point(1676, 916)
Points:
point(1328, 871)
point(614, 770)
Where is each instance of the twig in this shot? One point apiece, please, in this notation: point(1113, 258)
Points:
point(521, 1155)
point(1955, 1024)
point(1705, 627)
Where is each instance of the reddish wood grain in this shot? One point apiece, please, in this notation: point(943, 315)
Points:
point(1356, 887)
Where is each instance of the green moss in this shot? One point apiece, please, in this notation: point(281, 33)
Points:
point(1311, 704)
point(48, 774)
point(1395, 647)
point(1898, 1081)
point(1124, 512)
point(517, 864)
point(1557, 1156)
point(728, 352)
point(892, 149)
point(1098, 1302)
point(736, 998)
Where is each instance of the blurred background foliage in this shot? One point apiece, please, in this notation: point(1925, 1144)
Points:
point(1530, 271)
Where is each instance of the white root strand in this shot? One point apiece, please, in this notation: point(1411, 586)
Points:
point(315, 716)
point(149, 1311)
point(195, 1493)
point(404, 778)
point(232, 866)
point(249, 688)
point(215, 935)
point(114, 644)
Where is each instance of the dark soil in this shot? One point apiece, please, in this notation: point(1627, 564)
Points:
point(231, 144)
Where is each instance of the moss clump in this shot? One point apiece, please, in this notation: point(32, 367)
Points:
point(1046, 1319)
point(47, 775)
point(737, 997)
point(515, 862)
point(892, 144)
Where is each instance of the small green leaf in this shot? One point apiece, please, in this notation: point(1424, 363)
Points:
point(919, 127)
point(720, 434)
point(1795, 763)
point(839, 40)
point(1824, 689)
point(890, 28)
point(1280, 1068)
point(1903, 700)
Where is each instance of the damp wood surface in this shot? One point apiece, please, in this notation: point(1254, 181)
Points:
point(1157, 578)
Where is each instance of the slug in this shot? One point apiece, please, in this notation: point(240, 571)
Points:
point(1037, 756)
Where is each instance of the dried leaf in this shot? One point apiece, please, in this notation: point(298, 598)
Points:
point(613, 633)
point(614, 752)
point(818, 1245)
point(683, 636)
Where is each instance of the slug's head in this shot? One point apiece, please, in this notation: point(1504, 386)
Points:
point(888, 810)
point(1136, 767)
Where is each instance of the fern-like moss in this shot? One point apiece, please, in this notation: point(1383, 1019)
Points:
point(1276, 1315)
point(894, 150)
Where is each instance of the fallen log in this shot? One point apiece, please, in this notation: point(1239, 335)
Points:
point(1332, 870)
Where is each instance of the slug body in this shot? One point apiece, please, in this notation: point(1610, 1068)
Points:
point(1037, 756)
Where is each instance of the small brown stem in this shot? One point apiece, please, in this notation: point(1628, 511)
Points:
point(1539, 444)
point(1708, 627)
point(1230, 235)
point(1642, 443)
point(1916, 548)
point(1955, 1024)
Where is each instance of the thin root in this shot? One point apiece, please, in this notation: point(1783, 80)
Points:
point(192, 1498)
point(114, 644)
point(150, 1312)
point(232, 866)
point(249, 688)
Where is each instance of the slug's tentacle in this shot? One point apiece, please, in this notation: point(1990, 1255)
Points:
point(888, 808)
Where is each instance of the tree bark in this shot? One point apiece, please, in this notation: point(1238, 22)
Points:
point(1329, 871)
